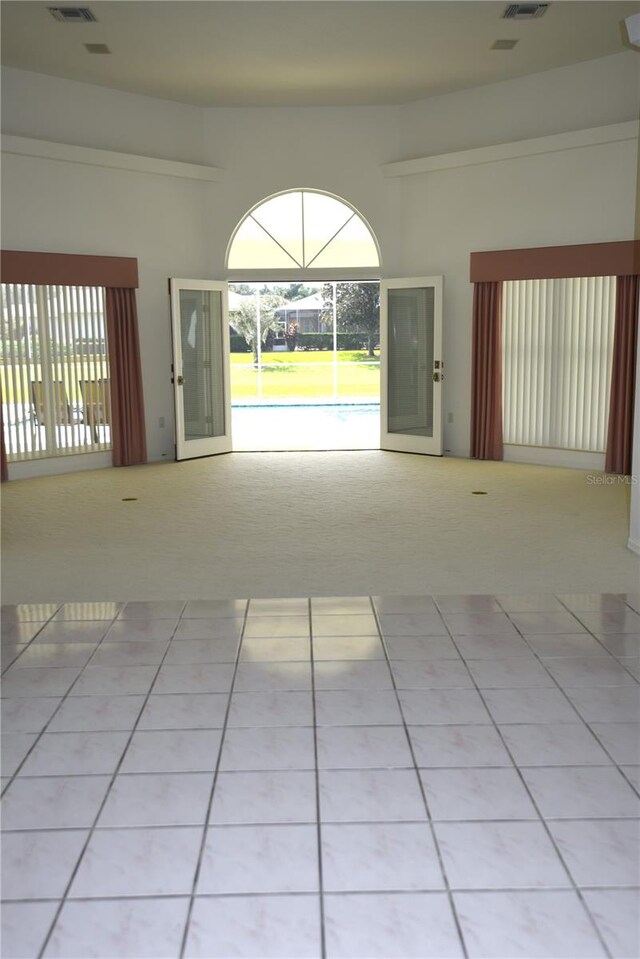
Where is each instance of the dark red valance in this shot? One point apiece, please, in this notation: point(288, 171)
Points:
point(69, 269)
point(551, 262)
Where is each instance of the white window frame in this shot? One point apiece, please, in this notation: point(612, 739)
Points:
point(238, 274)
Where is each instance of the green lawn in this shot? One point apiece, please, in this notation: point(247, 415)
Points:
point(284, 375)
point(17, 388)
point(305, 374)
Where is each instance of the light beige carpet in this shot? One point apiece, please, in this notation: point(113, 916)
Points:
point(301, 524)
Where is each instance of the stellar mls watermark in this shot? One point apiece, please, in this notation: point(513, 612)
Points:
point(611, 479)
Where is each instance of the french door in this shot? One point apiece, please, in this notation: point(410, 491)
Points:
point(202, 393)
point(411, 365)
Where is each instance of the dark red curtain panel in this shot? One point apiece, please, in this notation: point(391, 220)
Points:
point(486, 373)
point(127, 401)
point(4, 469)
point(623, 377)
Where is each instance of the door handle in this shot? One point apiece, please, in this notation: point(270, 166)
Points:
point(180, 380)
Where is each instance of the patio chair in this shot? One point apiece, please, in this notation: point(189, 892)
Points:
point(96, 404)
point(64, 415)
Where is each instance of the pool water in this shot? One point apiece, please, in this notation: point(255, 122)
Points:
point(330, 426)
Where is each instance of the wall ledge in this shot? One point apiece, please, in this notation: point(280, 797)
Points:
point(69, 153)
point(575, 139)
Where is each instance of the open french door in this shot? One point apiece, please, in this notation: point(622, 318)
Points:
point(411, 365)
point(202, 392)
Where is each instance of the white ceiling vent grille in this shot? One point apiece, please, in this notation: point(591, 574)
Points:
point(525, 11)
point(73, 15)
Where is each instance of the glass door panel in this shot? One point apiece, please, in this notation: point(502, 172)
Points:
point(201, 368)
point(411, 365)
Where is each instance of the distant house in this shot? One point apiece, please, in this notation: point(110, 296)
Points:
point(306, 313)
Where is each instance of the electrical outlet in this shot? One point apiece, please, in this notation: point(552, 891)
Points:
point(161, 422)
point(449, 417)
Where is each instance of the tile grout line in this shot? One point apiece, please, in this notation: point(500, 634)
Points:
point(137, 897)
point(416, 769)
point(590, 633)
point(67, 695)
point(323, 938)
point(62, 699)
point(67, 622)
point(557, 685)
point(28, 644)
point(542, 819)
point(152, 827)
point(92, 828)
point(596, 740)
point(492, 721)
point(587, 723)
point(207, 815)
point(563, 692)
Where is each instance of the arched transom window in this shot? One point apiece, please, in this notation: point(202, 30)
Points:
point(302, 229)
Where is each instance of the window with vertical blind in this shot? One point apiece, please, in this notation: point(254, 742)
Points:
point(557, 356)
point(54, 370)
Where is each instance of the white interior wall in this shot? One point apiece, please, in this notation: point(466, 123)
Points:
point(426, 224)
point(558, 198)
point(570, 98)
point(264, 151)
point(50, 108)
point(71, 208)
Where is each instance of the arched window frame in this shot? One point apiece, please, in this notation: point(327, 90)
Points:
point(366, 271)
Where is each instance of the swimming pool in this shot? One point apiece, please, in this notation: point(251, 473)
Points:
point(305, 426)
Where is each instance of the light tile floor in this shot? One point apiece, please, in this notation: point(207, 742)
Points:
point(343, 777)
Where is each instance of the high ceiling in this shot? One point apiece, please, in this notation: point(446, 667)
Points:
point(302, 52)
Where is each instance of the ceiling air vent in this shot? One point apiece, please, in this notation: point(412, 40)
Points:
point(525, 11)
point(97, 48)
point(73, 15)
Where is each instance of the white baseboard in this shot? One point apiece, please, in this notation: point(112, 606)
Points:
point(544, 456)
point(634, 546)
point(56, 465)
